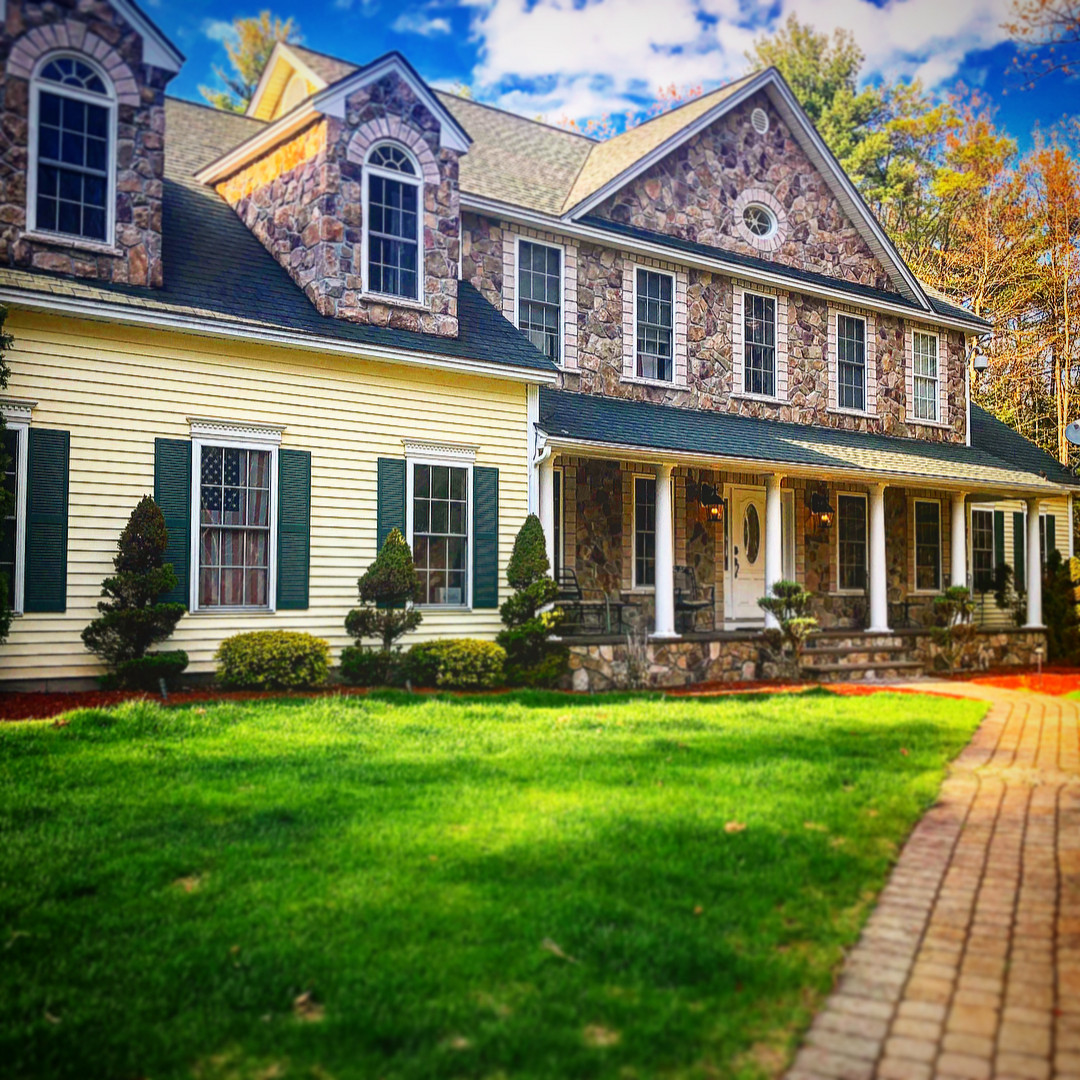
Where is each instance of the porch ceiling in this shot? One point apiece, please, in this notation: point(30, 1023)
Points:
point(636, 429)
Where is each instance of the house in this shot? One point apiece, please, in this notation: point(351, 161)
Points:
point(369, 304)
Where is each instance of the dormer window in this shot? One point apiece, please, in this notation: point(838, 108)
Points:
point(392, 222)
point(72, 136)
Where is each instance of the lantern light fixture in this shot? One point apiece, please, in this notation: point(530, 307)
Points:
point(712, 502)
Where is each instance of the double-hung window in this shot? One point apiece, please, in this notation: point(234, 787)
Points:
point(851, 362)
point(927, 545)
point(925, 374)
point(235, 533)
point(72, 138)
point(655, 324)
point(440, 531)
point(982, 550)
point(644, 532)
point(539, 291)
point(392, 222)
point(759, 344)
point(851, 543)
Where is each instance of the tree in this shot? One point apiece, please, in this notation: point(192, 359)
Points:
point(1048, 35)
point(7, 498)
point(132, 618)
point(387, 589)
point(249, 48)
point(790, 604)
point(606, 127)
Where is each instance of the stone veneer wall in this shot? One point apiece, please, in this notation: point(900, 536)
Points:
point(304, 198)
point(93, 27)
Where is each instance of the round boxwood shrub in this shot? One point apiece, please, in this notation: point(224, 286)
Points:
point(455, 664)
point(273, 660)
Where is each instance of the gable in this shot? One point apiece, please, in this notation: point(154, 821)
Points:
point(698, 191)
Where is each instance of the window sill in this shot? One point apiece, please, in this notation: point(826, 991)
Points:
point(860, 414)
point(848, 592)
point(63, 240)
point(765, 399)
point(940, 424)
point(395, 301)
point(222, 610)
point(663, 384)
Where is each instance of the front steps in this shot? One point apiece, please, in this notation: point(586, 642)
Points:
point(855, 656)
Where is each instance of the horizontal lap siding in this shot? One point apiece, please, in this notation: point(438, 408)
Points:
point(117, 389)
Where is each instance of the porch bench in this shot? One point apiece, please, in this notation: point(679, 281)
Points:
point(690, 598)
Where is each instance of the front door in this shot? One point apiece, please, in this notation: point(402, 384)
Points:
point(747, 575)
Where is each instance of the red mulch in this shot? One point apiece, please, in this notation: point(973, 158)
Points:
point(1056, 680)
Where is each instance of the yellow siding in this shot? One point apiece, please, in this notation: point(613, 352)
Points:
point(116, 389)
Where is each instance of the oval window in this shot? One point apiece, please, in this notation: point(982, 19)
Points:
point(751, 531)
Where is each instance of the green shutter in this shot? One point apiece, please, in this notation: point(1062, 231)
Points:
point(294, 529)
point(1051, 534)
point(485, 538)
point(1019, 576)
point(47, 520)
point(999, 537)
point(172, 493)
point(390, 514)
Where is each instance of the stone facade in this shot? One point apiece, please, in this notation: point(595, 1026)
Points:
point(94, 29)
point(694, 191)
point(304, 201)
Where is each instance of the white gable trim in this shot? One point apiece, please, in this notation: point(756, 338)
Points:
point(282, 50)
point(812, 144)
point(331, 101)
point(158, 50)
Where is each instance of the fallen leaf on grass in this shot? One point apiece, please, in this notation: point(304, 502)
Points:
point(554, 949)
point(904, 751)
point(458, 1042)
point(838, 841)
point(60, 723)
point(191, 883)
point(699, 910)
point(306, 1008)
point(814, 826)
point(872, 813)
point(734, 826)
point(52, 1019)
point(597, 1036)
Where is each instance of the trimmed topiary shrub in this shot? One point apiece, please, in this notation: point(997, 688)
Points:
point(532, 658)
point(131, 619)
point(147, 672)
point(455, 664)
point(273, 660)
point(369, 667)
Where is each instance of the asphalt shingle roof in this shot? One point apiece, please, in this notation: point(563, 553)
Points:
point(619, 422)
point(216, 269)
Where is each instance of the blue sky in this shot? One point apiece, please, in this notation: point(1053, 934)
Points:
point(581, 58)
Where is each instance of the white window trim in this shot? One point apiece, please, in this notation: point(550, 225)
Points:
point(110, 103)
point(458, 458)
point(417, 182)
point(870, 358)
point(21, 425)
point(941, 397)
point(634, 477)
point(253, 437)
point(679, 285)
point(915, 590)
point(861, 495)
point(512, 292)
point(738, 345)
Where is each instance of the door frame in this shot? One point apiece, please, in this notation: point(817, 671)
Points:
point(787, 511)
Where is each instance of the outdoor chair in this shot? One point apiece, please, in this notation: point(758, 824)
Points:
point(691, 598)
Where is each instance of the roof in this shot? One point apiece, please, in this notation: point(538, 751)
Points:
point(618, 422)
point(215, 267)
point(611, 158)
point(329, 68)
point(989, 433)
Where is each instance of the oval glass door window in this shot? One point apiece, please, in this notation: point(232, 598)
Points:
point(751, 531)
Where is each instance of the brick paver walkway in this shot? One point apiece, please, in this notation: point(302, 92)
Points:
point(969, 967)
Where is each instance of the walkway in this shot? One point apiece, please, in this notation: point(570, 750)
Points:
point(969, 967)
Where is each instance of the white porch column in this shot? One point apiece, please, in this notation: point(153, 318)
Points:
point(1034, 567)
point(774, 540)
point(665, 556)
point(545, 494)
point(958, 554)
point(878, 568)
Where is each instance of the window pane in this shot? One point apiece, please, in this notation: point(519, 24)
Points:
point(982, 550)
point(851, 362)
point(927, 546)
point(393, 237)
point(539, 301)
point(644, 531)
point(10, 522)
point(759, 344)
point(440, 533)
point(851, 542)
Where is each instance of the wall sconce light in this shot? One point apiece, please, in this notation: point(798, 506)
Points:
point(712, 502)
point(821, 511)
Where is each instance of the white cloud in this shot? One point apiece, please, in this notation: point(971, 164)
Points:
point(416, 22)
point(566, 57)
point(217, 29)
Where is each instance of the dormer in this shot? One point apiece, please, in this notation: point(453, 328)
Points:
point(82, 179)
point(354, 190)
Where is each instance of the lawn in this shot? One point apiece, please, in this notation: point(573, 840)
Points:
point(418, 887)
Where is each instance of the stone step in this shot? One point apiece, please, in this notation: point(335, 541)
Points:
point(854, 647)
point(888, 669)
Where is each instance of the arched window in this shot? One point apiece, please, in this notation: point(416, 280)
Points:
point(72, 149)
point(392, 222)
point(296, 90)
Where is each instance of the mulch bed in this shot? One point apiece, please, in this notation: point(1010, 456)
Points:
point(1054, 680)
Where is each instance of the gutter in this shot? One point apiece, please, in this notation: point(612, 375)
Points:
point(289, 339)
point(684, 457)
point(555, 224)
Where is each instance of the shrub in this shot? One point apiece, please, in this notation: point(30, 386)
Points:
point(369, 667)
point(954, 634)
point(456, 663)
point(386, 592)
point(790, 603)
point(131, 618)
point(532, 658)
point(147, 671)
point(1061, 610)
point(273, 660)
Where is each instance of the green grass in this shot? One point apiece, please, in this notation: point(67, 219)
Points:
point(172, 880)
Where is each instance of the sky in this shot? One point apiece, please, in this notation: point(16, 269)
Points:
point(585, 58)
